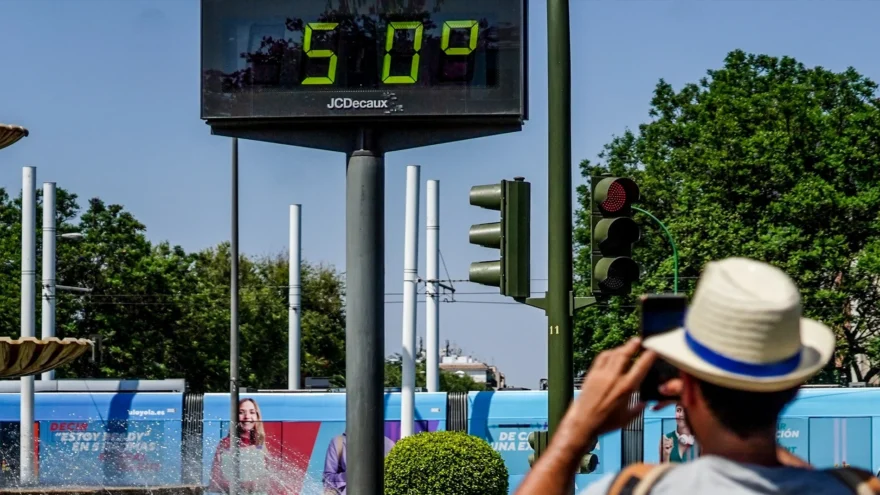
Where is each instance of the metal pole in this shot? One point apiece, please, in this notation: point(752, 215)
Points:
point(48, 292)
point(233, 330)
point(559, 285)
point(432, 306)
point(28, 310)
point(671, 242)
point(295, 299)
point(365, 321)
point(410, 290)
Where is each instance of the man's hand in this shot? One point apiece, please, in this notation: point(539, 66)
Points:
point(603, 403)
point(601, 407)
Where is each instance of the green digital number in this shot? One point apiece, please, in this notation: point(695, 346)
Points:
point(413, 76)
point(448, 26)
point(307, 48)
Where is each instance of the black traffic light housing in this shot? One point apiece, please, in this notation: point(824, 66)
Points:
point(511, 235)
point(613, 233)
point(539, 440)
point(590, 460)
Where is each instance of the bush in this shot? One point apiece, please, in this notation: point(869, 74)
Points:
point(444, 463)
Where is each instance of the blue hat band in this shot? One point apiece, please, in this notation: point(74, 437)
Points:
point(729, 365)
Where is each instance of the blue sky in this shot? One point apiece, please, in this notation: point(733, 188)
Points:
point(110, 92)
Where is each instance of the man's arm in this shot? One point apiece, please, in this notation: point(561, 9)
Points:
point(605, 408)
point(556, 466)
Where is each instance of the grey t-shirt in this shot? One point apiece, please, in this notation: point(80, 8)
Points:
point(718, 476)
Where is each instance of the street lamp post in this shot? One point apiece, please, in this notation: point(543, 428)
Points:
point(9, 135)
point(48, 293)
point(28, 274)
point(49, 261)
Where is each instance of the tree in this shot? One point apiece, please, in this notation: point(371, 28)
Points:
point(131, 305)
point(164, 313)
point(263, 316)
point(763, 158)
point(10, 252)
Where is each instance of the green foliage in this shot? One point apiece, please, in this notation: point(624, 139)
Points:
point(763, 158)
point(444, 462)
point(450, 382)
point(163, 312)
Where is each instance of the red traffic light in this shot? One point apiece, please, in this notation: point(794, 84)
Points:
point(614, 195)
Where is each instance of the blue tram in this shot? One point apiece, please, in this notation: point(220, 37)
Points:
point(123, 433)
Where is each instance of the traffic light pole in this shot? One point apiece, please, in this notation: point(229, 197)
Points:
point(560, 376)
point(559, 301)
point(512, 199)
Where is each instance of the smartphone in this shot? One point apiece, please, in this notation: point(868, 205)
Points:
point(659, 313)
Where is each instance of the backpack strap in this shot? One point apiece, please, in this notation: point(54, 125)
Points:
point(861, 482)
point(638, 479)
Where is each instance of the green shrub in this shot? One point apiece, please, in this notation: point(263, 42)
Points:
point(444, 463)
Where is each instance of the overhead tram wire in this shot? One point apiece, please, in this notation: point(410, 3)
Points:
point(285, 287)
point(159, 299)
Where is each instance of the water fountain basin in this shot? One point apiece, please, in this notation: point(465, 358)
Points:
point(107, 490)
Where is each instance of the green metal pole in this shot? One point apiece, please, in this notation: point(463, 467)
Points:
point(674, 247)
point(560, 376)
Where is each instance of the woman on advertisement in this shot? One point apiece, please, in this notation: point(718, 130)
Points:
point(254, 461)
point(679, 445)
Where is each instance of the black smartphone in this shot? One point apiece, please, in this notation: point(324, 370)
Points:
point(659, 313)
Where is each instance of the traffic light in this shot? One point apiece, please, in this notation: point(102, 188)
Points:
point(590, 461)
point(613, 233)
point(538, 443)
point(511, 236)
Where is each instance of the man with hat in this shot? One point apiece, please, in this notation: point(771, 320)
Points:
point(743, 353)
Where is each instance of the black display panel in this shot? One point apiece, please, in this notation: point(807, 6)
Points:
point(380, 59)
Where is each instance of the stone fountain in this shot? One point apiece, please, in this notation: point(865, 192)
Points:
point(10, 134)
point(126, 490)
point(29, 356)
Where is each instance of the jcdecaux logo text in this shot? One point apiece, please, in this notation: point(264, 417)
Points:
point(350, 103)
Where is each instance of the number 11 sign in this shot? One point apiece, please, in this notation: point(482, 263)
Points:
point(373, 60)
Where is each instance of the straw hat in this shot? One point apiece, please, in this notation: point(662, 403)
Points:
point(744, 330)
